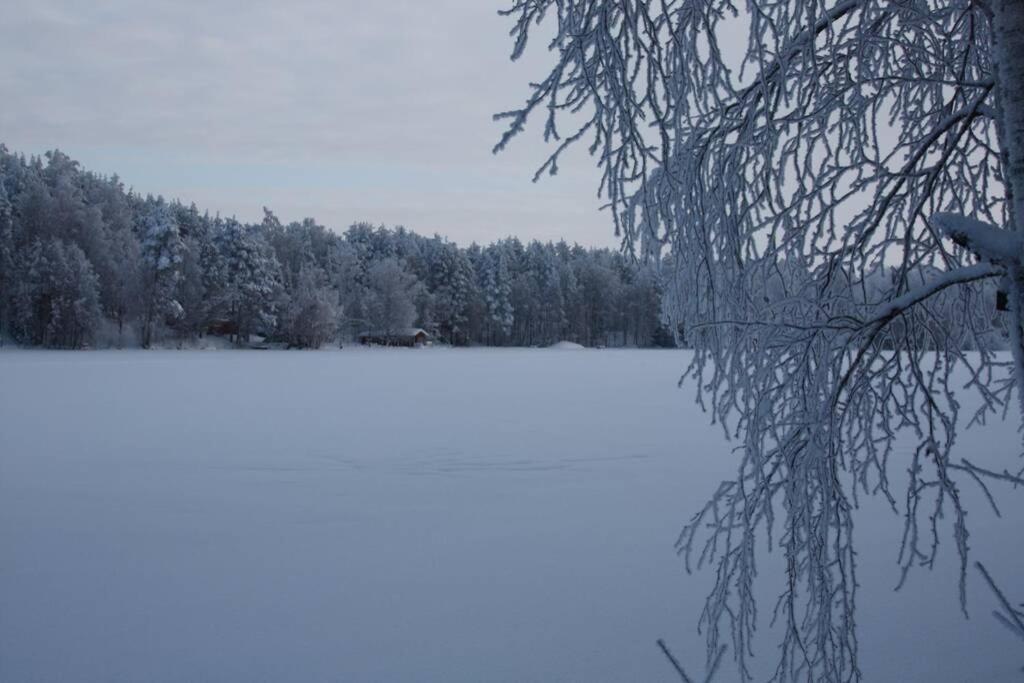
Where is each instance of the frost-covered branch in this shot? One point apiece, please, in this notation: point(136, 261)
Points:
point(1008, 615)
point(824, 194)
point(986, 241)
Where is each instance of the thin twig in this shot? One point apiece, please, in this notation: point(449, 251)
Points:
point(675, 662)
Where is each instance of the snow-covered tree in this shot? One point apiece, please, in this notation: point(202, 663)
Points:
point(161, 256)
point(451, 281)
point(119, 275)
point(551, 297)
point(56, 296)
point(311, 316)
point(7, 251)
point(390, 297)
point(496, 286)
point(164, 266)
point(248, 280)
point(116, 255)
point(799, 146)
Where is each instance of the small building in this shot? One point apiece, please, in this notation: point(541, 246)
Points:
point(410, 336)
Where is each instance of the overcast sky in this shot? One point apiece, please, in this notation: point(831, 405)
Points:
point(336, 109)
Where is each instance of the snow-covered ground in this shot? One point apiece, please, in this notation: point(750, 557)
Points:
point(397, 515)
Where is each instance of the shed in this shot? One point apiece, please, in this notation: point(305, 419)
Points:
point(410, 336)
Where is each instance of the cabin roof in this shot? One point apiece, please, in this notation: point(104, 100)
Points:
point(402, 332)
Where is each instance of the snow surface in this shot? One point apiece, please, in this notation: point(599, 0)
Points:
point(397, 515)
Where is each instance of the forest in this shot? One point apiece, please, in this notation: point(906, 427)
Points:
point(85, 263)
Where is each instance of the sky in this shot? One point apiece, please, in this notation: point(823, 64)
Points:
point(339, 110)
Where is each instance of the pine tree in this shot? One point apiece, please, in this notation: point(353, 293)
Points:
point(56, 296)
point(161, 256)
point(7, 250)
point(451, 280)
point(497, 290)
point(250, 279)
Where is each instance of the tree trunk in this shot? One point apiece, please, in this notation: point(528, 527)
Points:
point(1008, 28)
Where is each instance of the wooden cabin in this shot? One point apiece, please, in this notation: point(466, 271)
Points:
point(412, 336)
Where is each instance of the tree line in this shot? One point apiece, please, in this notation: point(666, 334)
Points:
point(85, 262)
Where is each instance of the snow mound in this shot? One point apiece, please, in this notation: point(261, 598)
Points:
point(567, 346)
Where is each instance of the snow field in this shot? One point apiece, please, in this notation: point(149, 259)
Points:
point(398, 515)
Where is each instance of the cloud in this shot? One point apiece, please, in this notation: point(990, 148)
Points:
point(357, 109)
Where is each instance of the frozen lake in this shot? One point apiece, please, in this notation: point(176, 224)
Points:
point(394, 515)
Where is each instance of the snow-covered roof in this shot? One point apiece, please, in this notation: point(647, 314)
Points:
point(401, 332)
